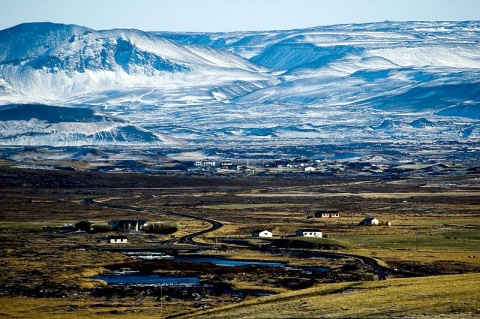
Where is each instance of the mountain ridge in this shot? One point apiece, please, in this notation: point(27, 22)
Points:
point(69, 61)
point(241, 88)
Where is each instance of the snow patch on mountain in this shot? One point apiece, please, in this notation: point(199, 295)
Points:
point(386, 81)
point(37, 125)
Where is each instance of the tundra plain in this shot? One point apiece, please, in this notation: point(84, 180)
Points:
point(428, 235)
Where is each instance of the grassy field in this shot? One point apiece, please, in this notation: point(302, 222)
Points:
point(455, 296)
point(459, 240)
point(435, 226)
point(56, 308)
point(253, 206)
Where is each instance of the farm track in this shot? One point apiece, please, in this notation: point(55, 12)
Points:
point(190, 238)
point(184, 239)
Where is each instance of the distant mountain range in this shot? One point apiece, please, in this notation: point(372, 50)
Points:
point(389, 81)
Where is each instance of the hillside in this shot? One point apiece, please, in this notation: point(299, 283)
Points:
point(256, 91)
point(443, 296)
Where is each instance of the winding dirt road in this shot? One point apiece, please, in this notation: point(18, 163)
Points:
point(190, 238)
point(185, 239)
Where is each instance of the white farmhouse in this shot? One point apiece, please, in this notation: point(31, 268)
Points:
point(262, 233)
point(117, 239)
point(309, 233)
point(370, 221)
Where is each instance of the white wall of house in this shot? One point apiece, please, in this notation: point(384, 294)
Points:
point(116, 240)
point(330, 215)
point(370, 222)
point(264, 233)
point(309, 233)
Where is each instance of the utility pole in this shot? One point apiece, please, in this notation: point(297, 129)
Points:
point(417, 241)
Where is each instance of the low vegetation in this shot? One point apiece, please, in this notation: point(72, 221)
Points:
point(46, 270)
point(162, 228)
point(443, 296)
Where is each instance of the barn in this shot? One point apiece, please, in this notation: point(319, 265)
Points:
point(369, 221)
point(117, 239)
point(309, 233)
point(262, 233)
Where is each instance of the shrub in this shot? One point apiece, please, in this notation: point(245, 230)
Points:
point(101, 229)
point(162, 228)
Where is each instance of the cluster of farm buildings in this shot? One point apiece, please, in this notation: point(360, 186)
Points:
point(316, 233)
point(139, 226)
point(118, 225)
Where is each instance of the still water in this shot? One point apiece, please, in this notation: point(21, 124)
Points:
point(228, 262)
point(137, 279)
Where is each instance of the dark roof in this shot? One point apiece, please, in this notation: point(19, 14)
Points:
point(310, 230)
point(84, 222)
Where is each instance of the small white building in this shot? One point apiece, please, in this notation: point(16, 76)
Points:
point(205, 163)
point(370, 221)
point(309, 233)
point(330, 215)
point(117, 239)
point(310, 169)
point(262, 233)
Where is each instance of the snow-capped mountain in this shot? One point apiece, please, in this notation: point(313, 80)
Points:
point(52, 63)
point(352, 63)
point(388, 82)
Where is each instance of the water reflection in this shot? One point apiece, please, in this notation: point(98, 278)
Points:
point(138, 279)
point(228, 262)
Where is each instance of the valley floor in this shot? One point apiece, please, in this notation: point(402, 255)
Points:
point(432, 236)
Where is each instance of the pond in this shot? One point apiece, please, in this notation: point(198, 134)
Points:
point(203, 259)
point(119, 281)
point(135, 278)
point(228, 262)
point(189, 284)
point(141, 279)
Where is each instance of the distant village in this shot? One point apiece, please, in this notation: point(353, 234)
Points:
point(373, 166)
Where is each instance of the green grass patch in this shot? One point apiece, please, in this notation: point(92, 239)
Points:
point(251, 206)
point(310, 242)
point(28, 226)
point(471, 235)
point(5, 162)
point(430, 297)
point(458, 240)
point(437, 222)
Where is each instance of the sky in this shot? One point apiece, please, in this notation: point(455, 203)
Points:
point(230, 15)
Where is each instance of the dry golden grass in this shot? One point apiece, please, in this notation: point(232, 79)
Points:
point(247, 286)
point(54, 308)
point(446, 296)
point(276, 205)
point(369, 195)
point(187, 226)
point(252, 206)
